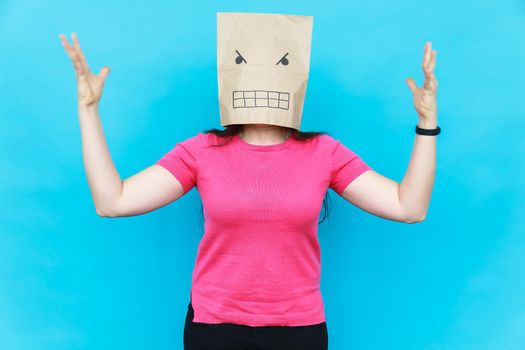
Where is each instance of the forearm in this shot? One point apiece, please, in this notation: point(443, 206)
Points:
point(102, 176)
point(415, 189)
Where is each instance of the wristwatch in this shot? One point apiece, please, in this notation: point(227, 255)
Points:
point(431, 132)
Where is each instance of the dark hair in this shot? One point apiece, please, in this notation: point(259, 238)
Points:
point(234, 129)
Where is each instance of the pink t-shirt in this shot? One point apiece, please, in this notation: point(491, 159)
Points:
point(258, 262)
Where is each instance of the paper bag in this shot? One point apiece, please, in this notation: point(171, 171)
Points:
point(263, 62)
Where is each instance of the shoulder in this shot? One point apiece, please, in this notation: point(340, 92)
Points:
point(328, 142)
point(209, 139)
point(193, 143)
point(201, 140)
point(326, 138)
point(336, 149)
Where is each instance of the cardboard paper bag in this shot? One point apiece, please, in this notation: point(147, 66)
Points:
point(263, 62)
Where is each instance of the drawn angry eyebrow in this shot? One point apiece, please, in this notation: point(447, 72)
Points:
point(283, 60)
point(239, 59)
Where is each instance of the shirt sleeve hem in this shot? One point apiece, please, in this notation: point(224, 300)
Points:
point(360, 169)
point(183, 179)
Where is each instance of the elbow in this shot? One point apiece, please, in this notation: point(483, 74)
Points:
point(104, 213)
point(416, 218)
point(101, 213)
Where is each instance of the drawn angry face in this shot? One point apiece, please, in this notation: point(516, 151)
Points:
point(262, 63)
point(261, 98)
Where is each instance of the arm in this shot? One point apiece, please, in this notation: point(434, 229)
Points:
point(152, 188)
point(149, 189)
point(409, 200)
point(102, 176)
point(416, 187)
point(104, 180)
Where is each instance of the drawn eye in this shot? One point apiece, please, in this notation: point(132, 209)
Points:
point(283, 60)
point(239, 59)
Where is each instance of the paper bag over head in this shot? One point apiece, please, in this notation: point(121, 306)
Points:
point(263, 62)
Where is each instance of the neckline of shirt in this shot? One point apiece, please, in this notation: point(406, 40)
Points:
point(240, 141)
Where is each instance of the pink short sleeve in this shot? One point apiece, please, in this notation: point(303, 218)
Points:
point(182, 161)
point(346, 166)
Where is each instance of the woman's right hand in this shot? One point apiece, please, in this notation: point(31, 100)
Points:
point(89, 85)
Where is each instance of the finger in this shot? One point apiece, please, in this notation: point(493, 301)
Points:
point(411, 84)
point(429, 73)
point(433, 61)
point(429, 68)
point(79, 67)
point(104, 73)
point(77, 63)
point(426, 56)
point(69, 49)
point(80, 52)
point(73, 55)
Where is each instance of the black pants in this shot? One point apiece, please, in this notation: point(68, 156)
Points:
point(231, 336)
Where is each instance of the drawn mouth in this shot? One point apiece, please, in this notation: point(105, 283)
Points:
point(261, 98)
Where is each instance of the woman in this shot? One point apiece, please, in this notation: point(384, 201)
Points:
point(271, 218)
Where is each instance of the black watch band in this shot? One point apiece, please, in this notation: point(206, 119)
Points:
point(431, 132)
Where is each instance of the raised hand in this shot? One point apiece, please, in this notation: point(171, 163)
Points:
point(425, 97)
point(89, 85)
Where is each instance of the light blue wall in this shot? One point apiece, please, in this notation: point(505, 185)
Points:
point(72, 280)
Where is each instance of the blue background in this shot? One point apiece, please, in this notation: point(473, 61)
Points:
point(72, 280)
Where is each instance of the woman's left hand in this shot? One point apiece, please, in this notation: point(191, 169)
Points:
point(425, 97)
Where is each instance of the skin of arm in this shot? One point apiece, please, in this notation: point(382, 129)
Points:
point(151, 188)
point(102, 176)
point(409, 200)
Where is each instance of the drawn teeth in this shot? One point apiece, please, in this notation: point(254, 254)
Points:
point(261, 98)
